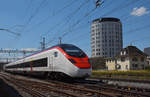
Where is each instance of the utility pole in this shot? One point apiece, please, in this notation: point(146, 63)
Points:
point(43, 43)
point(59, 40)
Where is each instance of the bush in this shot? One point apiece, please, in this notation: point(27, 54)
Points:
point(97, 63)
point(147, 68)
point(134, 74)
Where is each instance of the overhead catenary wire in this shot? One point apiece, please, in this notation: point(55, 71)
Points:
point(133, 30)
point(16, 27)
point(34, 14)
point(137, 29)
point(88, 22)
point(12, 32)
point(139, 40)
point(126, 5)
point(76, 23)
point(66, 33)
point(68, 17)
point(127, 17)
point(121, 6)
point(66, 6)
point(76, 39)
point(50, 15)
point(128, 32)
point(73, 13)
point(129, 4)
point(103, 15)
point(139, 21)
point(36, 11)
point(78, 9)
point(28, 8)
point(87, 14)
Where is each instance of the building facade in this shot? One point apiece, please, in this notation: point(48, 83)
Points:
point(148, 60)
point(106, 37)
point(130, 58)
point(147, 51)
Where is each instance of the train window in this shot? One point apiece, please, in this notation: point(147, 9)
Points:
point(36, 63)
point(73, 51)
point(55, 54)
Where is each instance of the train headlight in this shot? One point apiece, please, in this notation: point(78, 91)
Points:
point(72, 61)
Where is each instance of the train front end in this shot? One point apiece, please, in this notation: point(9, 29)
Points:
point(79, 65)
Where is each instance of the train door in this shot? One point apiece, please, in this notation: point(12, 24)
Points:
point(51, 60)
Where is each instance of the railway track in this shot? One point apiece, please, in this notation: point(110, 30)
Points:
point(123, 90)
point(54, 89)
point(77, 89)
point(25, 88)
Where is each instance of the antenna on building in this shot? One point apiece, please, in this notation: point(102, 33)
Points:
point(130, 44)
point(60, 40)
point(43, 43)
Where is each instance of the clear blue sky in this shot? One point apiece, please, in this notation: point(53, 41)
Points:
point(52, 18)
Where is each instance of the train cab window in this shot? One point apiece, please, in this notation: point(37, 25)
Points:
point(73, 51)
point(55, 54)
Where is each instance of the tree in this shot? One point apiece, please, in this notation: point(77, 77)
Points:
point(98, 63)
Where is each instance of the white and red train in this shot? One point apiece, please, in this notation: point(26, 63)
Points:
point(62, 59)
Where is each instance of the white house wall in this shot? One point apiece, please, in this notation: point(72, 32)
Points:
point(124, 64)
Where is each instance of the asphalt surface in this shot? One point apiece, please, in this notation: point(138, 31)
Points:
point(7, 91)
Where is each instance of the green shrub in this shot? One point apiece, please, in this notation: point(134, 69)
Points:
point(97, 63)
point(147, 68)
point(134, 74)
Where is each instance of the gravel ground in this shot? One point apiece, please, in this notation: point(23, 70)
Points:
point(7, 91)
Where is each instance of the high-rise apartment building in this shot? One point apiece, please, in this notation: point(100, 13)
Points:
point(106, 37)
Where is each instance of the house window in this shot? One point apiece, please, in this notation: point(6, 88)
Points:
point(135, 65)
point(122, 59)
point(134, 59)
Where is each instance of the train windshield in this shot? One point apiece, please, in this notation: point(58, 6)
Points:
point(73, 51)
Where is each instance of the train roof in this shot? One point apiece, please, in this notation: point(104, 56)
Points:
point(63, 45)
point(58, 45)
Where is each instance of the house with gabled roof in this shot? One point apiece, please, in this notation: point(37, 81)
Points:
point(129, 58)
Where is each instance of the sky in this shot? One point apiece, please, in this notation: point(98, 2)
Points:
point(30, 20)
